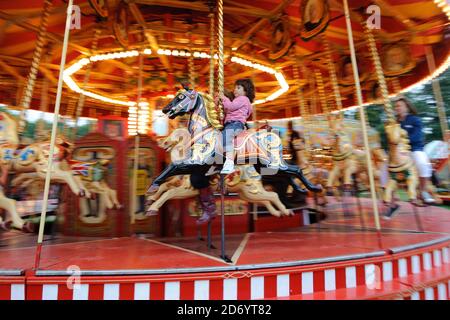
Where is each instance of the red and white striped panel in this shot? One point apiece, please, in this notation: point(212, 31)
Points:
point(251, 284)
point(12, 291)
point(440, 291)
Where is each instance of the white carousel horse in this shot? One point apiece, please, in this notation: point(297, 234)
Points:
point(346, 159)
point(401, 167)
point(31, 159)
point(90, 175)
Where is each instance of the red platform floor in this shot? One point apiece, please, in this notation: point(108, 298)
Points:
point(338, 237)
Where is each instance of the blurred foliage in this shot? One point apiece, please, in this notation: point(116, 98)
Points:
point(423, 99)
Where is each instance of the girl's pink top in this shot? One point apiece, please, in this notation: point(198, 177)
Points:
point(237, 110)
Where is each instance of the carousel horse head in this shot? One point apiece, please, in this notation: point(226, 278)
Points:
point(184, 102)
point(335, 122)
point(395, 134)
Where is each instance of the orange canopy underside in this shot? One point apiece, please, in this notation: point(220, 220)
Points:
point(414, 24)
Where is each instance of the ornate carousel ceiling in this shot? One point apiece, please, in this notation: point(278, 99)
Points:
point(280, 44)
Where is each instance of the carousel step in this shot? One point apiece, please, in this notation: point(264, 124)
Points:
point(431, 284)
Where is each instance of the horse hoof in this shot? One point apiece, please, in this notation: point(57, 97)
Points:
point(6, 226)
point(151, 213)
point(153, 188)
point(28, 227)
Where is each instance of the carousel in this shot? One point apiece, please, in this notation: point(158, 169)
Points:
point(113, 161)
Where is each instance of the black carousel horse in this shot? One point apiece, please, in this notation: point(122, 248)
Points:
point(261, 148)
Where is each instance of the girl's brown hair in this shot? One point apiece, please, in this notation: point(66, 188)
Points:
point(248, 86)
point(409, 105)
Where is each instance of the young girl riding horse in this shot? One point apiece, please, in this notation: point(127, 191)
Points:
point(237, 111)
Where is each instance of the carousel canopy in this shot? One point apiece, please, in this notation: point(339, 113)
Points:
point(281, 44)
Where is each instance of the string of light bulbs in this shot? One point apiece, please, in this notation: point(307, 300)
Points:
point(81, 63)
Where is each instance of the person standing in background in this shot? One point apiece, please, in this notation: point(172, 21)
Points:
point(409, 121)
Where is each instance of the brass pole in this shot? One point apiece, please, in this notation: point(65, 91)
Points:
point(136, 143)
point(37, 54)
point(363, 117)
point(211, 52)
point(87, 75)
point(437, 92)
point(53, 136)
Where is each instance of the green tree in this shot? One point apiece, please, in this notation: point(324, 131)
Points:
point(423, 99)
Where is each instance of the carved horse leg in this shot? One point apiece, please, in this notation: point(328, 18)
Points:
point(162, 188)
point(294, 171)
point(23, 179)
point(175, 193)
point(10, 206)
point(264, 198)
point(112, 194)
point(65, 177)
point(391, 185)
point(351, 167)
point(96, 187)
point(275, 200)
point(333, 176)
point(175, 170)
point(412, 183)
point(80, 184)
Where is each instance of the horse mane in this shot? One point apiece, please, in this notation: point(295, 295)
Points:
point(404, 140)
point(213, 113)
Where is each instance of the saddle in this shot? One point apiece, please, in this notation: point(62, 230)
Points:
point(240, 139)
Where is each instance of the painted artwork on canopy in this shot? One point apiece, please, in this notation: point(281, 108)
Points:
point(396, 59)
point(100, 7)
point(315, 16)
point(346, 77)
point(281, 38)
point(120, 24)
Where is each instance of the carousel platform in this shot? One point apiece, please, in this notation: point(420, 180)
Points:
point(342, 257)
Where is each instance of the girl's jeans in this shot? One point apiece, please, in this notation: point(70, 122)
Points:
point(231, 129)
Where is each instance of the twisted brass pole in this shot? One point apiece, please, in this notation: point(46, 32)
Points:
point(333, 77)
point(87, 75)
point(42, 35)
point(397, 86)
point(211, 52)
point(220, 78)
point(301, 100)
point(380, 75)
point(191, 65)
point(45, 84)
point(321, 90)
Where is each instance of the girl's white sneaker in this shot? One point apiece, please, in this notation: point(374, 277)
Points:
point(228, 167)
